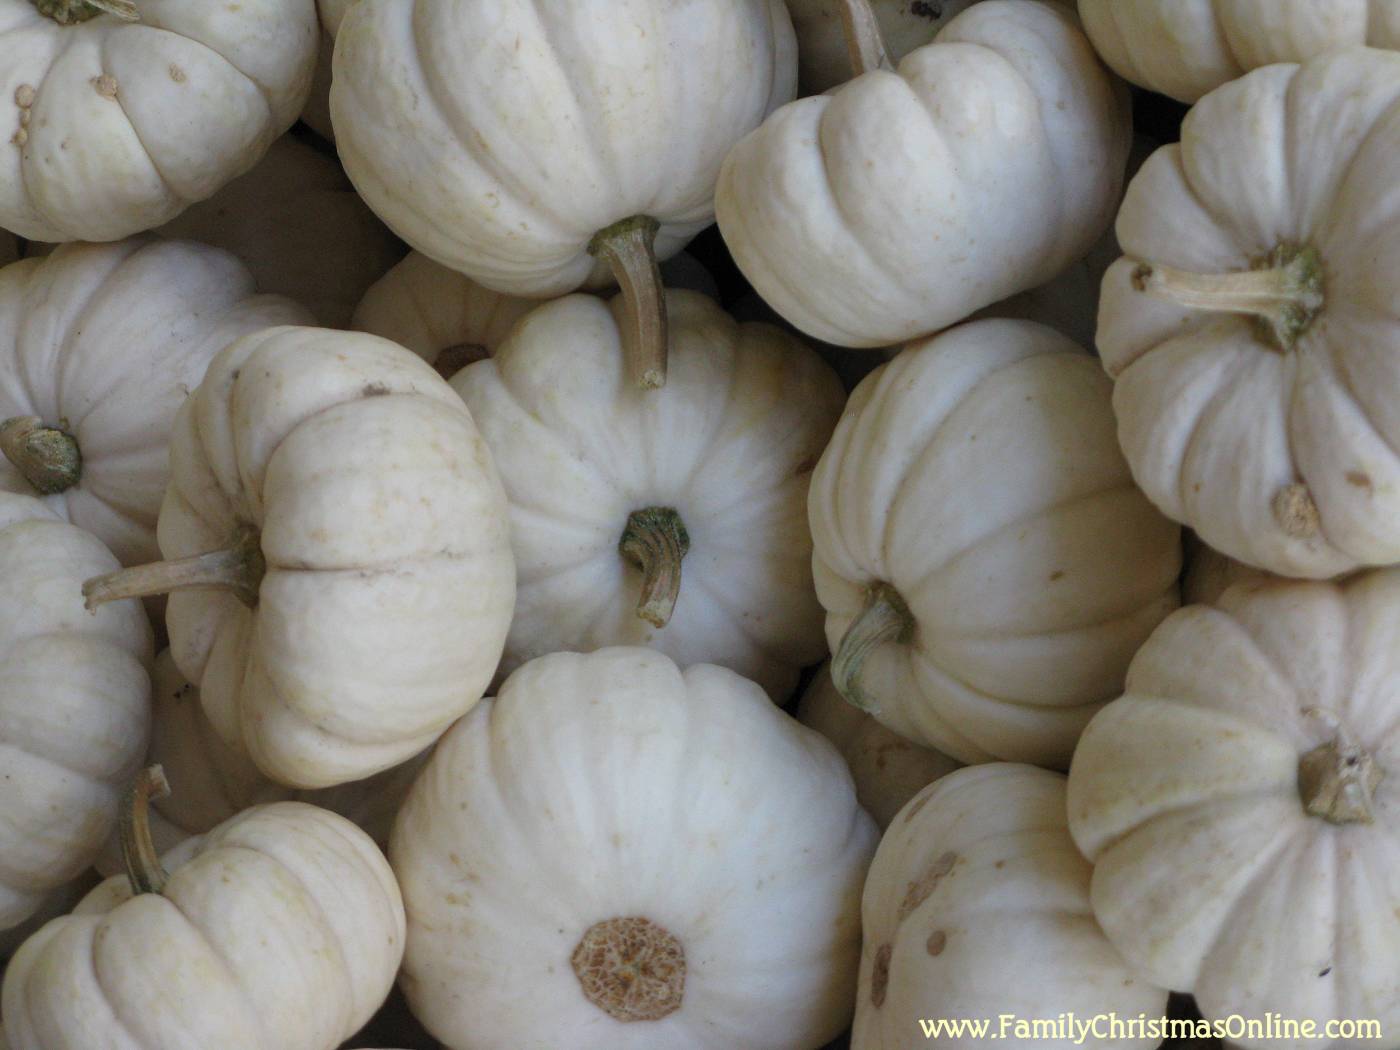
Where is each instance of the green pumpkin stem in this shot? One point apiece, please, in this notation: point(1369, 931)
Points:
point(238, 568)
point(47, 457)
point(629, 249)
point(886, 618)
point(143, 867)
point(655, 541)
point(864, 42)
point(71, 12)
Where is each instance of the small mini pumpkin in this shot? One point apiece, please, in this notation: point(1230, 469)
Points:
point(977, 906)
point(99, 347)
point(119, 114)
point(531, 146)
point(338, 553)
point(671, 518)
point(1248, 327)
point(1239, 804)
point(282, 929)
point(887, 769)
point(75, 702)
point(616, 855)
point(987, 565)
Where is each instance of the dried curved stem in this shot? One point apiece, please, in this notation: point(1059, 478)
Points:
point(886, 618)
point(864, 42)
point(143, 867)
point(655, 541)
point(629, 249)
point(239, 568)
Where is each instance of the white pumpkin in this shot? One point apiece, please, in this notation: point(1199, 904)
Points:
point(1248, 325)
point(823, 60)
point(338, 547)
point(1188, 49)
point(987, 566)
point(887, 769)
point(530, 145)
point(977, 906)
point(1240, 805)
point(669, 518)
point(99, 346)
point(616, 855)
point(905, 201)
point(75, 702)
point(121, 113)
point(282, 929)
point(300, 228)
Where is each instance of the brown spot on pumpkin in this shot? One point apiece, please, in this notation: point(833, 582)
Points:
point(921, 888)
point(1325, 972)
point(20, 137)
point(105, 85)
point(374, 390)
point(880, 976)
point(937, 941)
point(1296, 512)
point(631, 969)
point(913, 811)
point(25, 96)
point(1360, 479)
point(177, 74)
point(1058, 574)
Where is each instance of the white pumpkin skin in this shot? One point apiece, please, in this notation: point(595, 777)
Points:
point(1188, 795)
point(282, 929)
point(822, 59)
point(887, 769)
point(113, 127)
point(977, 906)
point(301, 229)
point(75, 701)
point(728, 444)
point(106, 342)
point(691, 802)
point(899, 204)
point(545, 125)
point(1276, 445)
point(1187, 50)
point(977, 474)
point(360, 478)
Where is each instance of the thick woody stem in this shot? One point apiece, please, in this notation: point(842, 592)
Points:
point(1286, 291)
point(885, 618)
point(864, 43)
point(1337, 781)
point(655, 541)
point(71, 12)
point(47, 457)
point(143, 867)
point(239, 568)
point(629, 249)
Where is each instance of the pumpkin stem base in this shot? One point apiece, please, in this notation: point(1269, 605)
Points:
point(48, 457)
point(1286, 291)
point(629, 249)
point(631, 969)
point(655, 541)
point(143, 867)
point(71, 12)
point(864, 43)
point(1337, 781)
point(885, 618)
point(239, 568)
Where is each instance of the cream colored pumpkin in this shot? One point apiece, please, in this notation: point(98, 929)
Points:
point(301, 229)
point(1187, 49)
point(669, 518)
point(99, 346)
point(823, 61)
point(282, 929)
point(1239, 804)
point(616, 855)
point(905, 201)
point(74, 705)
point(1248, 325)
point(530, 146)
point(344, 532)
point(977, 906)
point(887, 769)
point(987, 566)
point(114, 125)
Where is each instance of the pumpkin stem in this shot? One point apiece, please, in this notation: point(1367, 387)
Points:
point(47, 457)
point(239, 568)
point(655, 541)
point(885, 618)
point(455, 358)
point(143, 867)
point(864, 42)
point(631, 969)
point(1338, 780)
point(71, 12)
point(1285, 291)
point(629, 249)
